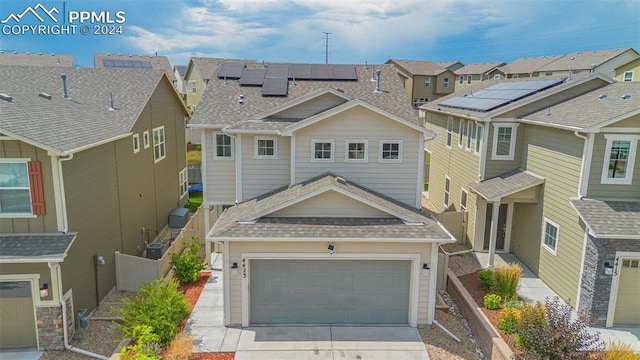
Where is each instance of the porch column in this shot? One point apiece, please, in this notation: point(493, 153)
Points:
point(494, 232)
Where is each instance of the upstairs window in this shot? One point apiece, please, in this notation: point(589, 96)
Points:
point(449, 131)
point(265, 148)
point(460, 133)
point(223, 145)
point(390, 151)
point(445, 82)
point(447, 188)
point(356, 151)
point(159, 150)
point(145, 139)
point(136, 143)
point(21, 191)
point(194, 86)
point(504, 140)
point(322, 150)
point(469, 79)
point(628, 76)
point(427, 82)
point(496, 77)
point(464, 194)
point(619, 159)
point(469, 135)
point(479, 139)
point(461, 79)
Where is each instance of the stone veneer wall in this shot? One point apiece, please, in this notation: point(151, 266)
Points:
point(596, 286)
point(50, 326)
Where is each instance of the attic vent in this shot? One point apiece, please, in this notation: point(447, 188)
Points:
point(6, 97)
point(625, 96)
point(45, 95)
point(341, 180)
point(602, 96)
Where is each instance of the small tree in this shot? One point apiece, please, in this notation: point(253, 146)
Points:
point(188, 264)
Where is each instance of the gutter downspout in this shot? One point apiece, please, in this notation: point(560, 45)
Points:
point(63, 200)
point(585, 166)
point(64, 321)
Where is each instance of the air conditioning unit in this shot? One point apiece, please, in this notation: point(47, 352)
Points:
point(154, 251)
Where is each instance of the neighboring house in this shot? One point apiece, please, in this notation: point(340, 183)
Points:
point(548, 169)
point(629, 71)
point(424, 80)
point(197, 75)
point(81, 177)
point(472, 73)
point(597, 61)
point(178, 72)
point(326, 172)
point(521, 68)
point(451, 65)
point(124, 61)
point(35, 59)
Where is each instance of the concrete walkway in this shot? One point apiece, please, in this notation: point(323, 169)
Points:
point(531, 289)
point(206, 325)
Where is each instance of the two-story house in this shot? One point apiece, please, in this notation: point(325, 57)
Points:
point(629, 71)
point(597, 61)
point(92, 161)
point(423, 80)
point(471, 73)
point(314, 173)
point(547, 169)
point(521, 68)
point(35, 59)
point(196, 78)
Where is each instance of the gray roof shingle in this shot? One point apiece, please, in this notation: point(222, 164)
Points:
point(528, 65)
point(234, 222)
point(420, 67)
point(84, 118)
point(481, 68)
point(35, 247)
point(583, 60)
point(506, 184)
point(609, 218)
point(157, 62)
point(35, 59)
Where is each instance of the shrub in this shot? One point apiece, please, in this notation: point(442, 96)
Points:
point(492, 301)
point(486, 278)
point(550, 331)
point(180, 348)
point(509, 319)
point(505, 282)
point(157, 305)
point(514, 304)
point(145, 347)
point(620, 351)
point(188, 264)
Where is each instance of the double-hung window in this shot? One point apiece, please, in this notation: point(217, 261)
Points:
point(356, 151)
point(469, 79)
point(322, 150)
point(136, 143)
point(619, 159)
point(550, 232)
point(447, 191)
point(265, 148)
point(145, 139)
point(390, 151)
point(194, 86)
point(183, 182)
point(460, 133)
point(21, 191)
point(504, 141)
point(479, 139)
point(464, 194)
point(223, 146)
point(449, 131)
point(628, 76)
point(469, 135)
point(445, 82)
point(427, 82)
point(159, 150)
point(461, 79)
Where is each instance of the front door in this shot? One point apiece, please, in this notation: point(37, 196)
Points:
point(502, 227)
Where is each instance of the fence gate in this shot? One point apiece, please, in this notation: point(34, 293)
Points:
point(456, 223)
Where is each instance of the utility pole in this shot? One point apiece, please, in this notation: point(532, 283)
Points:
point(326, 47)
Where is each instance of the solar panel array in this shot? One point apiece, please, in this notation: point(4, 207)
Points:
point(499, 95)
point(231, 70)
point(275, 86)
point(126, 64)
point(252, 77)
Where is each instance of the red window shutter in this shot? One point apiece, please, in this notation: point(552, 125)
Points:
point(37, 191)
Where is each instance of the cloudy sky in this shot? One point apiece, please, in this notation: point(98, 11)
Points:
point(293, 30)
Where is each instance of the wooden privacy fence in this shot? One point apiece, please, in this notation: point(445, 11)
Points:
point(134, 271)
point(456, 223)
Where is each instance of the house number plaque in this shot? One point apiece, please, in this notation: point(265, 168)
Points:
point(244, 268)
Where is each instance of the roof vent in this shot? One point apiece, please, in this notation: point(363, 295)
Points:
point(548, 111)
point(602, 96)
point(6, 97)
point(241, 99)
point(341, 180)
point(377, 82)
point(45, 96)
point(111, 108)
point(64, 86)
point(625, 96)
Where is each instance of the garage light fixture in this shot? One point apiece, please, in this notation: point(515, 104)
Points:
point(234, 268)
point(44, 291)
point(425, 269)
point(608, 268)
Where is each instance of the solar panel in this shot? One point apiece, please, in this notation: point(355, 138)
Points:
point(300, 71)
point(322, 72)
point(146, 65)
point(277, 70)
point(344, 72)
point(275, 86)
point(126, 64)
point(108, 63)
point(252, 77)
point(231, 70)
point(500, 94)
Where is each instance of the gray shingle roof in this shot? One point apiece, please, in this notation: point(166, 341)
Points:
point(419, 67)
point(35, 247)
point(157, 62)
point(219, 105)
point(35, 59)
point(84, 118)
point(527, 65)
point(506, 184)
point(592, 108)
point(610, 218)
point(481, 68)
point(233, 222)
point(583, 60)
point(207, 67)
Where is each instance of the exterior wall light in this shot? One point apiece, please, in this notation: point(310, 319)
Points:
point(234, 268)
point(608, 268)
point(425, 269)
point(44, 291)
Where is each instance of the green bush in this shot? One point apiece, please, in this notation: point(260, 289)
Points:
point(486, 278)
point(145, 347)
point(506, 279)
point(157, 305)
point(514, 304)
point(187, 266)
point(492, 301)
point(509, 319)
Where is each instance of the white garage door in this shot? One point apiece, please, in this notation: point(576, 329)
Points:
point(329, 291)
point(627, 308)
point(17, 318)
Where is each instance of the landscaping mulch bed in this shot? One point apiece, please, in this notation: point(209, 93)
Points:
point(213, 356)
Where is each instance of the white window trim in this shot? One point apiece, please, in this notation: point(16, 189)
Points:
point(194, 86)
point(136, 143)
point(356, 141)
point(313, 150)
point(477, 148)
point(163, 144)
point(468, 145)
point(630, 162)
point(461, 130)
point(215, 147)
point(445, 82)
point(496, 77)
point(398, 160)
point(624, 76)
point(183, 183)
point(461, 79)
point(545, 246)
point(255, 147)
point(20, 214)
point(146, 139)
point(512, 146)
point(427, 82)
point(469, 79)
point(449, 138)
point(447, 193)
point(466, 203)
